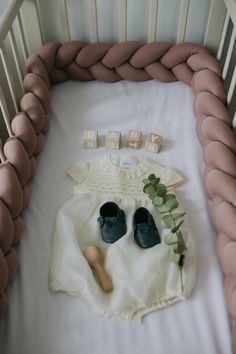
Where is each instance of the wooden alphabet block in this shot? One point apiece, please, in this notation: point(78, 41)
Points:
point(153, 143)
point(113, 139)
point(134, 139)
point(90, 139)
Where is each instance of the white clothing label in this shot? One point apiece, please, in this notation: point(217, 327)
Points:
point(127, 164)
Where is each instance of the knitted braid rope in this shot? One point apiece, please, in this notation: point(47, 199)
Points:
point(136, 61)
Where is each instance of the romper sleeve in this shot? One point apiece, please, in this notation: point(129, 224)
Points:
point(168, 175)
point(78, 171)
point(172, 178)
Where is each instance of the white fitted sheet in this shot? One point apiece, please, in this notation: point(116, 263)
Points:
point(42, 322)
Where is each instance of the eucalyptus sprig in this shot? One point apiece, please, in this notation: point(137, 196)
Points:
point(166, 203)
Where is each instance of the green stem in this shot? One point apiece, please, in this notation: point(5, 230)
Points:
point(180, 268)
point(172, 217)
point(181, 279)
point(151, 188)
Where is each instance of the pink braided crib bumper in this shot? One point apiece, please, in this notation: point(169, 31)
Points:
point(136, 61)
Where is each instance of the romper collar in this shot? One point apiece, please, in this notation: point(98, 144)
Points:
point(125, 166)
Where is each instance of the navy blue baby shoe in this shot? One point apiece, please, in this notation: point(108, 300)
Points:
point(112, 222)
point(145, 231)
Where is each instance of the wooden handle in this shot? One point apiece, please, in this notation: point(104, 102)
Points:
point(103, 278)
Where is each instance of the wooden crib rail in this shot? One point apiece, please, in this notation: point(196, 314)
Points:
point(17, 41)
point(29, 29)
point(221, 14)
point(7, 84)
point(8, 17)
point(226, 54)
point(213, 30)
point(2, 156)
point(20, 36)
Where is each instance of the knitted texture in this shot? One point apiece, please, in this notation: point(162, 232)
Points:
point(118, 179)
point(136, 61)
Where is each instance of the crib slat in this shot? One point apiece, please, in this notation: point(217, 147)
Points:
point(231, 86)
point(234, 120)
point(16, 58)
point(30, 20)
point(214, 25)
point(2, 156)
point(22, 37)
point(8, 16)
point(64, 20)
point(152, 21)
point(93, 21)
point(123, 21)
point(183, 16)
point(230, 4)
point(9, 78)
point(229, 53)
point(5, 112)
point(223, 34)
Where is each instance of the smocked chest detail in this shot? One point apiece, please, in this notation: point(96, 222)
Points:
point(110, 184)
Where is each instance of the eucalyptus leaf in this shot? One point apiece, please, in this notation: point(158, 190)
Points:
point(176, 216)
point(146, 181)
point(176, 228)
point(156, 181)
point(148, 188)
point(168, 221)
point(152, 195)
point(163, 209)
point(165, 202)
point(175, 257)
point(170, 196)
point(171, 239)
point(178, 259)
point(151, 177)
point(181, 246)
point(171, 203)
point(157, 201)
point(161, 190)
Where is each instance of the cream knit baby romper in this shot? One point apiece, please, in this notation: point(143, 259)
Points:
point(143, 279)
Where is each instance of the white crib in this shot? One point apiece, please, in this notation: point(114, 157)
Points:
point(24, 29)
point(21, 36)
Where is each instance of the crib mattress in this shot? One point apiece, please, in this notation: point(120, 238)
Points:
point(42, 322)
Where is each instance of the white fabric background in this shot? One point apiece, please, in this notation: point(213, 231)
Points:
point(41, 322)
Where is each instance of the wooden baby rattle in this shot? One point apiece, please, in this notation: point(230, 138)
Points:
point(94, 257)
